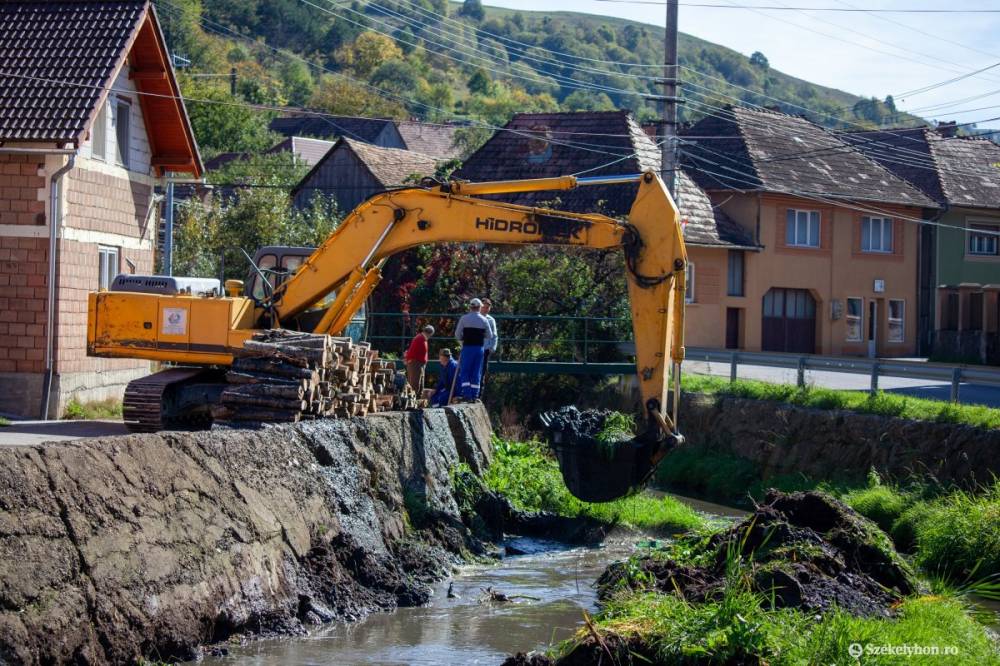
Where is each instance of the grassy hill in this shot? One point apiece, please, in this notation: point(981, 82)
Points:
point(442, 60)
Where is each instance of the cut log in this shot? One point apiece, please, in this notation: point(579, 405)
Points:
point(274, 367)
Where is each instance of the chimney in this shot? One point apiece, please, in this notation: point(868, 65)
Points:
point(947, 129)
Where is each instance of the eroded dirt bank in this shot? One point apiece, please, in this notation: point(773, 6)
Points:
point(150, 545)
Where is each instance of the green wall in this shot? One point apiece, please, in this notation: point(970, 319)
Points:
point(953, 267)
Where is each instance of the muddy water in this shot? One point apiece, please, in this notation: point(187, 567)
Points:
point(462, 630)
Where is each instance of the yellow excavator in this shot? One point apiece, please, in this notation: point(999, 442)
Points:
point(199, 326)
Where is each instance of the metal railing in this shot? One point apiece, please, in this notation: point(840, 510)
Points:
point(585, 346)
point(528, 343)
point(955, 375)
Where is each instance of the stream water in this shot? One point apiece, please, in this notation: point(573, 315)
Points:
point(464, 630)
point(556, 582)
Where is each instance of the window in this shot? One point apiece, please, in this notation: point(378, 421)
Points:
point(876, 234)
point(123, 118)
point(983, 243)
point(855, 314)
point(689, 283)
point(107, 265)
point(735, 275)
point(99, 135)
point(802, 228)
point(896, 318)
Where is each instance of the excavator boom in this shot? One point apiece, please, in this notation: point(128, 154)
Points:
point(208, 330)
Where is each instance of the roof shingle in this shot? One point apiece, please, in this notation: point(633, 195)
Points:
point(328, 127)
point(750, 149)
point(958, 171)
point(586, 143)
point(55, 58)
point(429, 139)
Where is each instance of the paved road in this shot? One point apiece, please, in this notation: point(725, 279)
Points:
point(976, 394)
point(28, 433)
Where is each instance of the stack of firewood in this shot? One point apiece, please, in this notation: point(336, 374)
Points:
point(287, 376)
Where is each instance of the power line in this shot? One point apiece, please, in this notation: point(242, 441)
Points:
point(873, 10)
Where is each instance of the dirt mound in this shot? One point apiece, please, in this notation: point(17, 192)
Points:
point(807, 550)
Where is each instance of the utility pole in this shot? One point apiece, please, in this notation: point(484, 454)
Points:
point(668, 147)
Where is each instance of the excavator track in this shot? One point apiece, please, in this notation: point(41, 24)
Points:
point(148, 405)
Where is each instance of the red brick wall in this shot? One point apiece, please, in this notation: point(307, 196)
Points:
point(22, 190)
point(23, 299)
point(101, 203)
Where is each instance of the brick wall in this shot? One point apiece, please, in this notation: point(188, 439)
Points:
point(114, 210)
point(22, 190)
point(23, 303)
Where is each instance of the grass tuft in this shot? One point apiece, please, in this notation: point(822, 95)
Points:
point(4, 422)
point(528, 475)
point(91, 411)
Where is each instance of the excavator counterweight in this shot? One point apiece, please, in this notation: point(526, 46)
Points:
point(198, 325)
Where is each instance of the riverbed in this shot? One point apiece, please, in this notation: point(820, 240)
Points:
point(554, 583)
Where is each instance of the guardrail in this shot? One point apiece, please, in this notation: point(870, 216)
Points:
point(873, 367)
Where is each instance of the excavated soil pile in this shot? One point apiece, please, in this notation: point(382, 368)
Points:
point(812, 552)
point(805, 550)
point(148, 546)
point(594, 470)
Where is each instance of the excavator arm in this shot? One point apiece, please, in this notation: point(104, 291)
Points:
point(349, 261)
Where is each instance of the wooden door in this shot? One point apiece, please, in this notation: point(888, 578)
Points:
point(732, 328)
point(789, 321)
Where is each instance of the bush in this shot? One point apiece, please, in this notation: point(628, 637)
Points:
point(94, 410)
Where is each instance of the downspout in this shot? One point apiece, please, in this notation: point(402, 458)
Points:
point(55, 226)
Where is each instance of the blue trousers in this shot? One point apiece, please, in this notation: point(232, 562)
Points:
point(470, 372)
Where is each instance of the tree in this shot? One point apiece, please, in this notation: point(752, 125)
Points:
point(582, 100)
point(258, 212)
point(758, 59)
point(297, 81)
point(480, 82)
point(338, 95)
point(221, 122)
point(397, 76)
point(368, 52)
point(890, 103)
point(473, 9)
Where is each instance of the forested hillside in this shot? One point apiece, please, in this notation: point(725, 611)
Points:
point(448, 61)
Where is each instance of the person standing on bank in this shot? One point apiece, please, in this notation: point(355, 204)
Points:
point(473, 331)
point(416, 359)
point(490, 348)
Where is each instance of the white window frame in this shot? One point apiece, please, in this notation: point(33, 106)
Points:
point(848, 317)
point(123, 156)
point(689, 276)
point(868, 237)
point(901, 319)
point(99, 135)
point(792, 228)
point(108, 265)
point(986, 245)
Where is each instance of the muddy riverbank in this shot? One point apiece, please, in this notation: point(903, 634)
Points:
point(152, 545)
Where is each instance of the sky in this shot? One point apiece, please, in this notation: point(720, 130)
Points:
point(864, 54)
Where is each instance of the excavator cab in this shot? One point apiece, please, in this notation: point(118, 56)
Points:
point(273, 265)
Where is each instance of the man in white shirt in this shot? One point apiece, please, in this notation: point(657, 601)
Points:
point(490, 348)
point(473, 331)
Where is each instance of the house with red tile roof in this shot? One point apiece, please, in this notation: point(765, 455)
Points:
point(91, 122)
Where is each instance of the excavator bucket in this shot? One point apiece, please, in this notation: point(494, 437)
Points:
point(596, 471)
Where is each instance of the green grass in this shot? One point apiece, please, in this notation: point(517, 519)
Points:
point(90, 411)
point(528, 475)
point(4, 422)
point(887, 404)
point(741, 628)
